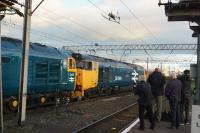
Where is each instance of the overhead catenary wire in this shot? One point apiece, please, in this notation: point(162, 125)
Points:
point(131, 32)
point(64, 29)
point(38, 35)
point(80, 25)
point(124, 27)
point(83, 26)
point(133, 14)
point(47, 35)
point(97, 7)
point(145, 27)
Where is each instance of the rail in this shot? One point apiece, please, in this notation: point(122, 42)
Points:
point(91, 126)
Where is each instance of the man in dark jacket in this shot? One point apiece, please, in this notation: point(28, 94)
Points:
point(186, 95)
point(145, 101)
point(157, 82)
point(173, 93)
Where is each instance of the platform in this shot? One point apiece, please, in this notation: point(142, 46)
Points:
point(160, 127)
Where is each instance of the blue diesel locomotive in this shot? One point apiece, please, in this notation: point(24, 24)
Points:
point(50, 71)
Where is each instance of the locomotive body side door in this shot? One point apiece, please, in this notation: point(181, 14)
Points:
point(71, 75)
point(106, 77)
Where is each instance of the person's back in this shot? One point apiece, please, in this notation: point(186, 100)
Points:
point(145, 102)
point(185, 97)
point(186, 81)
point(143, 90)
point(173, 90)
point(173, 93)
point(157, 81)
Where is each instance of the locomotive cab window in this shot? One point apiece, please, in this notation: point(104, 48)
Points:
point(71, 63)
point(80, 64)
point(84, 65)
point(88, 66)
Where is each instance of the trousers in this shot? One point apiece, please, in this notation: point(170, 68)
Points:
point(149, 109)
point(185, 107)
point(175, 113)
point(158, 108)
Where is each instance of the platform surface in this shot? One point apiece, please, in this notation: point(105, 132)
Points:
point(160, 127)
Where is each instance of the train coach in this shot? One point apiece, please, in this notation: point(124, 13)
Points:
point(51, 73)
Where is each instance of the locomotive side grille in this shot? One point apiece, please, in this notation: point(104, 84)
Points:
point(41, 72)
point(54, 72)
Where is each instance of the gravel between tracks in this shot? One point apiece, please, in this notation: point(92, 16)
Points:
point(67, 119)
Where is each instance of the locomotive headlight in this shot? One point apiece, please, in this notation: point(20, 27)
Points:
point(42, 100)
point(65, 63)
point(15, 103)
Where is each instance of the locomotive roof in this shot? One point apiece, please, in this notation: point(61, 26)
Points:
point(11, 44)
point(120, 62)
point(110, 62)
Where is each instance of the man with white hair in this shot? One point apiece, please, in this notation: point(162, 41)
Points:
point(173, 93)
point(145, 102)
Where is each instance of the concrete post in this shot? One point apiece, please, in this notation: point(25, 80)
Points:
point(1, 87)
point(198, 67)
point(24, 62)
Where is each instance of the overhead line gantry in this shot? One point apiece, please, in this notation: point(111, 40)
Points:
point(97, 47)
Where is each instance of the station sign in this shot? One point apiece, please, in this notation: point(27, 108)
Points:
point(195, 126)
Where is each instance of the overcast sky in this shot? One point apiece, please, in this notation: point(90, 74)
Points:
point(78, 22)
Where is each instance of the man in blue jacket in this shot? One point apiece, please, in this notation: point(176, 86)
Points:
point(173, 94)
point(145, 101)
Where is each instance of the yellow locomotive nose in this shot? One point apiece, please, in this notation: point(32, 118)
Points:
point(15, 103)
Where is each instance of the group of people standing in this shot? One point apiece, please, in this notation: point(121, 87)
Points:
point(151, 93)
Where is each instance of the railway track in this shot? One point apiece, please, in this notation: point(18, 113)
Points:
point(112, 123)
point(95, 98)
point(50, 107)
